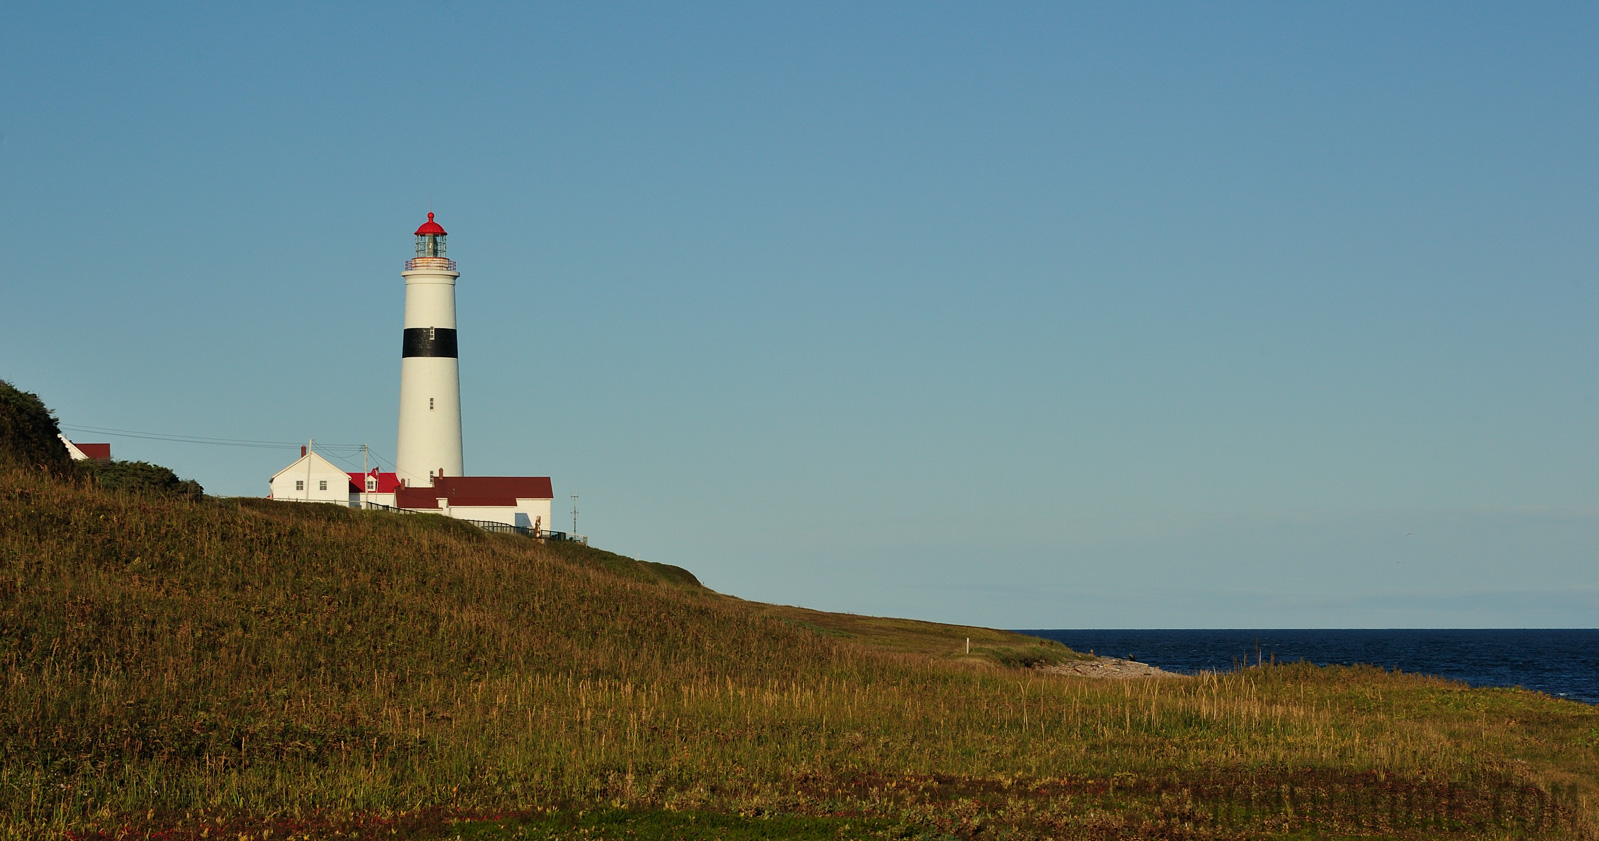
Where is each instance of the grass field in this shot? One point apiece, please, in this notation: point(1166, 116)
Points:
point(205, 668)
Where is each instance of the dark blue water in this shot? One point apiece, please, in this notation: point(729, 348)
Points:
point(1562, 663)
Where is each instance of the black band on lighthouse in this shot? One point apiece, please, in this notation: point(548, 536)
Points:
point(429, 341)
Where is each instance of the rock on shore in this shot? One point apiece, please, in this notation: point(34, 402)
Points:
point(1108, 667)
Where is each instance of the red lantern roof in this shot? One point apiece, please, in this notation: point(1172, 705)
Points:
point(430, 227)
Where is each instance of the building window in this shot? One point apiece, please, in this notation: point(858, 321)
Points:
point(322, 485)
point(371, 484)
point(299, 484)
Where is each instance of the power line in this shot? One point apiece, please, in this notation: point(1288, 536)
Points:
point(182, 439)
point(347, 461)
point(350, 460)
point(201, 439)
point(381, 460)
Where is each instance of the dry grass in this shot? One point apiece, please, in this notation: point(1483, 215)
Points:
point(182, 667)
point(933, 639)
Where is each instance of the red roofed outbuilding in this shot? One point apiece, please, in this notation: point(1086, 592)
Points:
point(86, 452)
point(513, 500)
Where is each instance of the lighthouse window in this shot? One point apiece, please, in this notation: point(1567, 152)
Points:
point(430, 404)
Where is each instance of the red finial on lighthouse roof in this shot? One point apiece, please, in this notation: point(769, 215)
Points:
point(430, 227)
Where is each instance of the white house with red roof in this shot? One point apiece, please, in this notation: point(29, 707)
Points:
point(86, 452)
point(375, 487)
point(522, 501)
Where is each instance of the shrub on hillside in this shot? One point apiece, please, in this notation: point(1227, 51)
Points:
point(29, 436)
point(139, 477)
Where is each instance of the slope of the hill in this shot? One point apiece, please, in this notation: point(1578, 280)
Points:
point(935, 639)
point(189, 665)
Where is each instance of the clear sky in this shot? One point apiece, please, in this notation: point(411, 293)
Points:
point(1026, 315)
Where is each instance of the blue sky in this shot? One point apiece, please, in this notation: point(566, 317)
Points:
point(1026, 315)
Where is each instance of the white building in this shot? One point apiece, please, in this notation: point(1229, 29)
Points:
point(376, 488)
point(86, 452)
point(522, 501)
point(312, 478)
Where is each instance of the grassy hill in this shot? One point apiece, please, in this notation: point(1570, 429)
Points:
point(188, 668)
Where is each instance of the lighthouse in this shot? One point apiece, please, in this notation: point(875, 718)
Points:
point(428, 477)
point(429, 445)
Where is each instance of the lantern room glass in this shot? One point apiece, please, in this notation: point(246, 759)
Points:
point(430, 245)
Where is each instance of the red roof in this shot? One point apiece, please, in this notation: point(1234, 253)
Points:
point(513, 487)
point(430, 227)
point(486, 491)
point(416, 498)
point(99, 452)
point(387, 482)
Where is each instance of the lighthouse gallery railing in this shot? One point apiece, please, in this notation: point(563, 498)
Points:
point(429, 263)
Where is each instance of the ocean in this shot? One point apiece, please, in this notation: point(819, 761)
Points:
point(1562, 663)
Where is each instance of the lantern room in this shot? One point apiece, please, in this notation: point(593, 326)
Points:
point(430, 239)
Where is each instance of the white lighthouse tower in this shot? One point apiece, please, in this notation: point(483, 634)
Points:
point(429, 446)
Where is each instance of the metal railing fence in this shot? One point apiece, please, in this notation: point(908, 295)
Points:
point(486, 525)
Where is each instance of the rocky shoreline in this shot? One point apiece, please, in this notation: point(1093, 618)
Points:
point(1108, 667)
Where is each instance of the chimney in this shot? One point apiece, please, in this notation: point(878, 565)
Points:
point(302, 451)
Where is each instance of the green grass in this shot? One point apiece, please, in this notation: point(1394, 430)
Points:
point(186, 669)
